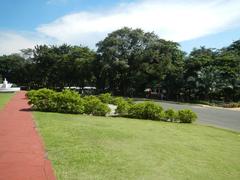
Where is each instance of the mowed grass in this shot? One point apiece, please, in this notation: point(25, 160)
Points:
point(88, 147)
point(4, 98)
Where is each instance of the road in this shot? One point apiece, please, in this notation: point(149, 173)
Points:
point(219, 117)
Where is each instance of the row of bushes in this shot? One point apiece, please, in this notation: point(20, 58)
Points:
point(66, 102)
point(147, 110)
point(71, 102)
point(150, 110)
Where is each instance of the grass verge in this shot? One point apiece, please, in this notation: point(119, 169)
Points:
point(88, 147)
point(4, 98)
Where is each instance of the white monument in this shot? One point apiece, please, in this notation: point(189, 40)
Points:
point(6, 87)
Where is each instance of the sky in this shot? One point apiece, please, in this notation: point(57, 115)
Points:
point(192, 23)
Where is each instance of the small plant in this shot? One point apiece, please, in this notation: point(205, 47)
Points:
point(146, 110)
point(170, 115)
point(186, 116)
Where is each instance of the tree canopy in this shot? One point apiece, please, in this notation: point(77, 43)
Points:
point(127, 62)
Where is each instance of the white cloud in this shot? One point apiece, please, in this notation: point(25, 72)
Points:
point(13, 42)
point(176, 20)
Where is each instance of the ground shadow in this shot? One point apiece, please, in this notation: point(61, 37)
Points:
point(26, 109)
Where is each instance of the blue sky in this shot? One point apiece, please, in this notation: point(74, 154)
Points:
point(192, 23)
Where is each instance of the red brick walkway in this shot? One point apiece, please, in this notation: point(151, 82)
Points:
point(22, 156)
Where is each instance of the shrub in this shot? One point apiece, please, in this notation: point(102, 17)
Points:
point(130, 101)
point(30, 94)
point(170, 115)
point(186, 116)
point(42, 99)
point(123, 105)
point(69, 101)
point(94, 106)
point(91, 97)
point(49, 100)
point(106, 98)
point(146, 110)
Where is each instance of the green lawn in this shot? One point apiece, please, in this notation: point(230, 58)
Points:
point(87, 147)
point(4, 98)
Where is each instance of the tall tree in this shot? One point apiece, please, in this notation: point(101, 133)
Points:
point(131, 60)
point(198, 61)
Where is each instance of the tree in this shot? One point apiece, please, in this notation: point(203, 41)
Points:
point(11, 67)
point(195, 64)
point(117, 57)
point(213, 73)
point(130, 60)
point(60, 66)
point(228, 71)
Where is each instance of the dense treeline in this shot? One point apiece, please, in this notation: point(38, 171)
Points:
point(127, 62)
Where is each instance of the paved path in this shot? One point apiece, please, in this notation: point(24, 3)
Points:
point(219, 117)
point(22, 156)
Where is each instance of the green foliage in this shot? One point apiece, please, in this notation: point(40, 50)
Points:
point(170, 115)
point(106, 98)
point(146, 110)
point(48, 100)
point(94, 106)
point(13, 67)
point(213, 74)
point(49, 66)
point(30, 95)
point(42, 100)
point(66, 102)
point(69, 102)
point(128, 61)
point(129, 58)
point(130, 101)
point(123, 105)
point(186, 116)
